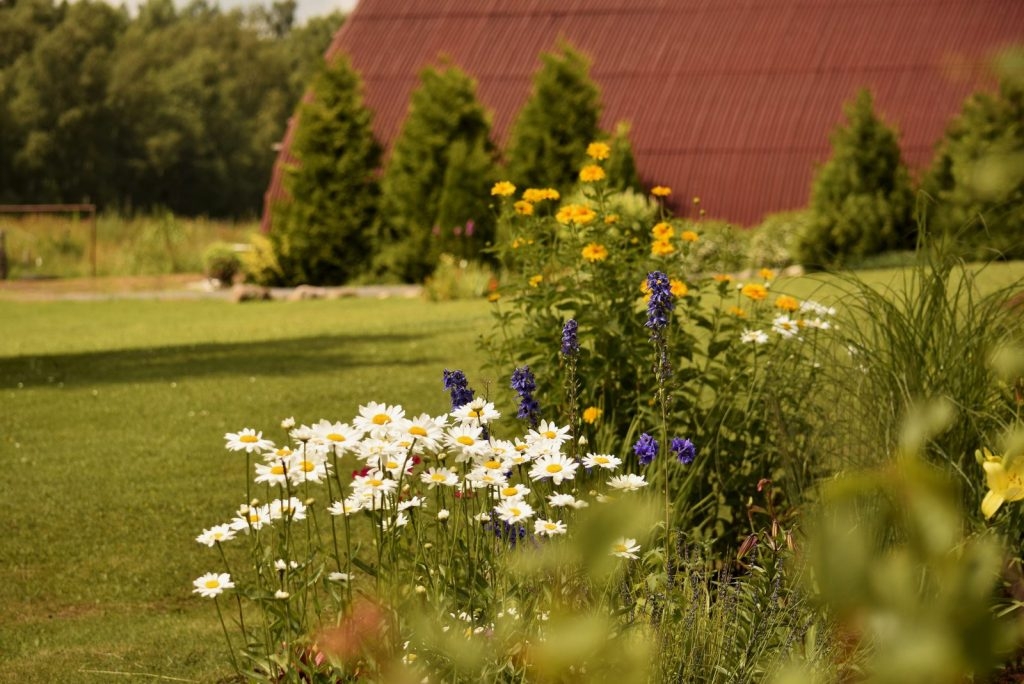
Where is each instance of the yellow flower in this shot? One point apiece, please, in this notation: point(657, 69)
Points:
point(1004, 483)
point(591, 414)
point(493, 297)
point(662, 231)
point(518, 242)
point(591, 173)
point(661, 191)
point(523, 208)
point(536, 280)
point(755, 291)
point(786, 303)
point(661, 248)
point(503, 189)
point(766, 273)
point(722, 278)
point(696, 200)
point(539, 194)
point(595, 252)
point(610, 219)
point(575, 213)
point(737, 312)
point(598, 150)
point(678, 287)
point(689, 236)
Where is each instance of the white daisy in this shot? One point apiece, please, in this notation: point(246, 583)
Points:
point(513, 510)
point(816, 308)
point(349, 506)
point(477, 412)
point(512, 491)
point(255, 517)
point(439, 476)
point(378, 419)
point(275, 474)
point(443, 514)
point(606, 461)
point(247, 440)
point(217, 533)
point(414, 502)
point(817, 323)
point(308, 469)
point(337, 437)
point(373, 483)
point(481, 477)
point(627, 483)
point(557, 467)
point(291, 508)
point(625, 548)
point(785, 326)
point(753, 336)
point(468, 439)
point(388, 523)
point(550, 433)
point(425, 432)
point(567, 501)
point(548, 528)
point(212, 584)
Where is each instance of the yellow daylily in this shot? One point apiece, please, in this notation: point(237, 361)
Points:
point(1004, 483)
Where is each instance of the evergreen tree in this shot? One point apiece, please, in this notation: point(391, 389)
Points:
point(435, 188)
point(621, 165)
point(550, 136)
point(862, 199)
point(322, 235)
point(977, 177)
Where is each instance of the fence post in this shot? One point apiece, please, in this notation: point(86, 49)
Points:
point(3, 255)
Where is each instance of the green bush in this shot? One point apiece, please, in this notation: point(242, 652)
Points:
point(775, 241)
point(434, 190)
point(259, 263)
point(321, 234)
point(222, 263)
point(551, 132)
point(456, 278)
point(862, 200)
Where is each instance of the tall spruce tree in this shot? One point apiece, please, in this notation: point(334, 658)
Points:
point(435, 189)
point(977, 177)
point(862, 198)
point(322, 235)
point(550, 136)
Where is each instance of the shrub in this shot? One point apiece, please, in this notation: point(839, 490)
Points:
point(551, 132)
point(861, 199)
point(456, 278)
point(775, 242)
point(259, 263)
point(434, 190)
point(321, 235)
point(976, 180)
point(221, 263)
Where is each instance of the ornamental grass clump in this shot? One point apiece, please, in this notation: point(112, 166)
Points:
point(733, 365)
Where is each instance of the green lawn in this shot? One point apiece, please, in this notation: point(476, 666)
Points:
point(111, 424)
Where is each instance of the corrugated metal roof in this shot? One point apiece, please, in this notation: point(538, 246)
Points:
point(731, 100)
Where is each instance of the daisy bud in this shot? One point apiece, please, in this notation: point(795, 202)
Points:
point(420, 589)
point(281, 594)
point(288, 423)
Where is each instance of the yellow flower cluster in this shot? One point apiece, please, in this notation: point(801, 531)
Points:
point(661, 191)
point(689, 236)
point(576, 214)
point(540, 194)
point(662, 248)
point(598, 150)
point(591, 173)
point(663, 231)
point(523, 208)
point(595, 252)
point(503, 189)
point(591, 414)
point(754, 291)
point(536, 280)
point(786, 303)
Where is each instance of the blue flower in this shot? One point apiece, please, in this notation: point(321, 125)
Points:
point(646, 448)
point(524, 384)
point(570, 341)
point(661, 303)
point(684, 450)
point(456, 383)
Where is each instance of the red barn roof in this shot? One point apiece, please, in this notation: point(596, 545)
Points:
point(731, 100)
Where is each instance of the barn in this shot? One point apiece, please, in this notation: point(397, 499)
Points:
point(729, 100)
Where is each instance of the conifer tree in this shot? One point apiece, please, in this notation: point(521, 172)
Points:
point(976, 180)
point(550, 135)
point(435, 189)
point(862, 198)
point(621, 165)
point(322, 236)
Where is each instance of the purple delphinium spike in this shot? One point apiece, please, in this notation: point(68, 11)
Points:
point(570, 341)
point(684, 450)
point(456, 383)
point(524, 384)
point(646, 448)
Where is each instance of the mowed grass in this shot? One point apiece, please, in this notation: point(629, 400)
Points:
point(112, 417)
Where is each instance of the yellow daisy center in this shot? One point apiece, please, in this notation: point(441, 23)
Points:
point(308, 466)
point(438, 477)
point(509, 491)
point(600, 459)
point(515, 512)
point(554, 468)
point(335, 437)
point(391, 464)
point(465, 440)
point(381, 419)
point(212, 583)
point(493, 465)
point(475, 413)
point(277, 470)
point(249, 439)
point(550, 434)
point(418, 431)
point(375, 482)
point(620, 548)
point(283, 451)
point(550, 526)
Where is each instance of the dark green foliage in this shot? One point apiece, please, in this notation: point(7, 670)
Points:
point(322, 235)
point(862, 198)
point(176, 109)
point(550, 136)
point(977, 177)
point(435, 189)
